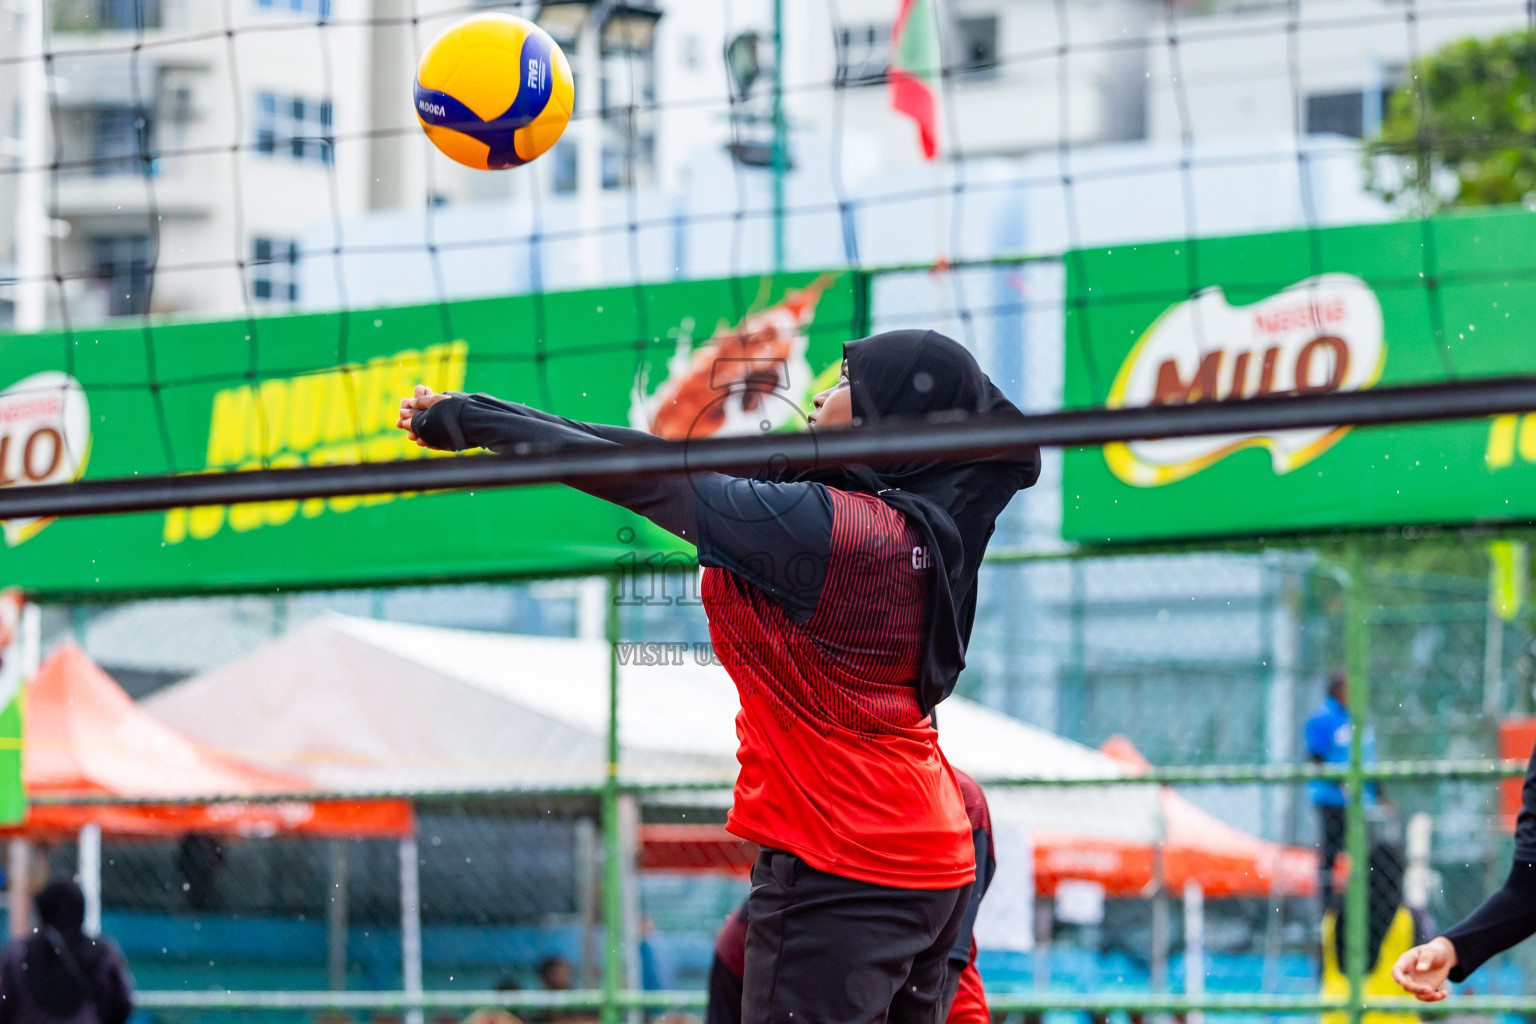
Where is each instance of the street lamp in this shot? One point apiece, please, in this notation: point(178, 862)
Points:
point(563, 19)
point(745, 66)
point(630, 28)
point(622, 27)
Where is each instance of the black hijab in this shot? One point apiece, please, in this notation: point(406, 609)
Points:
point(923, 376)
point(60, 959)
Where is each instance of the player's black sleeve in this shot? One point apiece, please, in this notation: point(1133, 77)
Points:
point(1508, 917)
point(620, 435)
point(461, 422)
point(1505, 919)
point(777, 536)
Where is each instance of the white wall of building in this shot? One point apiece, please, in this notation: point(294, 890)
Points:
point(1241, 73)
point(1074, 86)
point(11, 33)
point(210, 193)
point(1035, 97)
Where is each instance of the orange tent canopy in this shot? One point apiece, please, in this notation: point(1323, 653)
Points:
point(85, 737)
point(1195, 847)
point(1198, 847)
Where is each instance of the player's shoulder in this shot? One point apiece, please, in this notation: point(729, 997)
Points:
point(775, 497)
point(862, 518)
point(857, 503)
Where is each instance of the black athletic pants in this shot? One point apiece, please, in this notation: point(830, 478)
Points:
point(1330, 821)
point(724, 995)
point(823, 949)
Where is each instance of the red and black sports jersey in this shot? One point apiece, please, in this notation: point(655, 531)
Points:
point(839, 765)
point(816, 600)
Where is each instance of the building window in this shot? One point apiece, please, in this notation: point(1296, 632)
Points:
point(863, 54)
point(105, 15)
point(293, 127)
point(615, 167)
point(120, 144)
point(274, 270)
point(121, 264)
point(130, 14)
point(1343, 113)
point(565, 167)
point(314, 8)
point(976, 41)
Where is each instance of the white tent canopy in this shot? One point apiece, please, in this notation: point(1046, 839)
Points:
point(358, 705)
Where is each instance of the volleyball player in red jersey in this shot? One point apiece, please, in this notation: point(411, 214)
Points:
point(840, 601)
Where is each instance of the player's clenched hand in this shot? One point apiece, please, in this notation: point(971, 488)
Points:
point(409, 407)
point(1423, 969)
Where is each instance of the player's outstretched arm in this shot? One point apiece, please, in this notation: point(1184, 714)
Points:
point(1422, 971)
point(777, 535)
point(457, 422)
point(454, 422)
point(1505, 919)
point(481, 407)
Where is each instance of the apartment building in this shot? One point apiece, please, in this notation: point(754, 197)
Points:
point(176, 148)
point(1308, 66)
point(208, 140)
point(200, 141)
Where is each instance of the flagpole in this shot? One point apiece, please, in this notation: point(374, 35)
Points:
point(780, 140)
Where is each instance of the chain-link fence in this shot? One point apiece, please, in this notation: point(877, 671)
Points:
point(1210, 670)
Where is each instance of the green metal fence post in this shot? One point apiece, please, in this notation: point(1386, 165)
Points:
point(863, 293)
point(1357, 893)
point(613, 845)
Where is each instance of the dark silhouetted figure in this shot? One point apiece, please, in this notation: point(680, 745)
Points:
point(199, 859)
point(60, 975)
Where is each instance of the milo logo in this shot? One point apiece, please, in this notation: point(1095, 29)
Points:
point(45, 438)
point(1320, 335)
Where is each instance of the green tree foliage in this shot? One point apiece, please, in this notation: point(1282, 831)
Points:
point(1461, 131)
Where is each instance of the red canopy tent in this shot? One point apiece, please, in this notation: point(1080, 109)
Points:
point(85, 737)
point(1195, 847)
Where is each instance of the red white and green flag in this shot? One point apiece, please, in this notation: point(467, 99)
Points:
point(915, 66)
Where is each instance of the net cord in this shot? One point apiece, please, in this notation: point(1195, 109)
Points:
point(975, 440)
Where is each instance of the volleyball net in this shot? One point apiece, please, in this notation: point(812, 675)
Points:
point(1257, 273)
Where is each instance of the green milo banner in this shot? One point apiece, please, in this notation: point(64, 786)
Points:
point(19, 628)
point(692, 359)
point(1340, 309)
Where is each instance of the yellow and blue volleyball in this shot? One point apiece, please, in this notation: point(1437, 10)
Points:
point(494, 91)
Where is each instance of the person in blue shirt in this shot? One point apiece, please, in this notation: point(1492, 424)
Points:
point(1328, 735)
